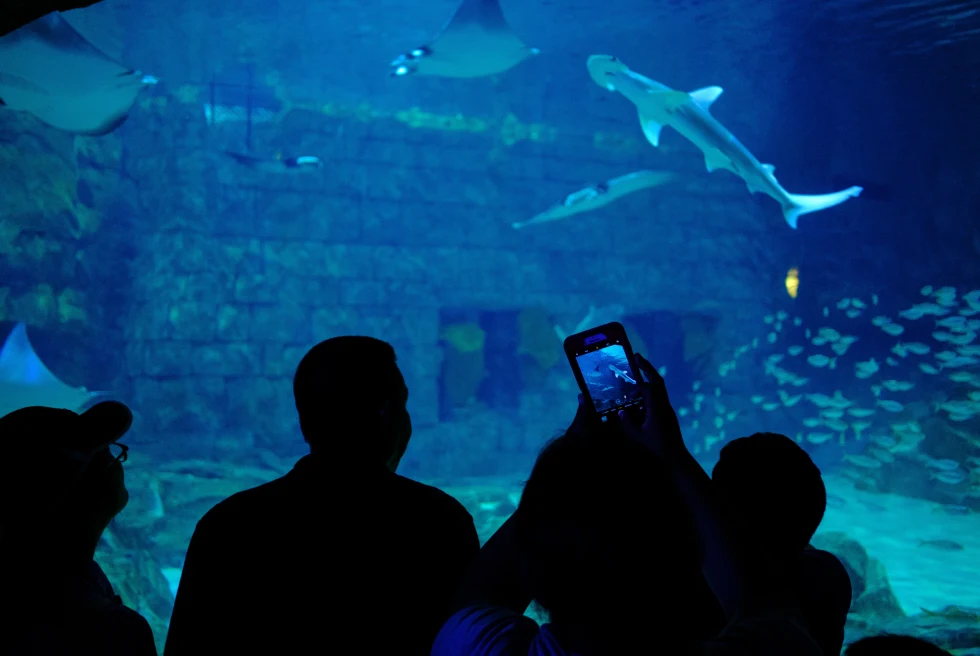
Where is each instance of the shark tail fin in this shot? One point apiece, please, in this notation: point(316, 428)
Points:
point(799, 204)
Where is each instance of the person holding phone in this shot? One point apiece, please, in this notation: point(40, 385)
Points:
point(615, 522)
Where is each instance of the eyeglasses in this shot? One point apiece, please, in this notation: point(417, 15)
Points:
point(119, 451)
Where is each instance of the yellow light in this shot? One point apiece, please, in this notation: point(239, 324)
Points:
point(792, 282)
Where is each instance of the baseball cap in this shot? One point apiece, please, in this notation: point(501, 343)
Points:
point(44, 450)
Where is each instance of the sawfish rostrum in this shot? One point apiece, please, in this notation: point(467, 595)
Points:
point(476, 42)
point(51, 71)
point(688, 113)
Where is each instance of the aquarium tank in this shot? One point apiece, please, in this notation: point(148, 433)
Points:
point(193, 193)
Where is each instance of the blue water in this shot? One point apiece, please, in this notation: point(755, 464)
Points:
point(149, 264)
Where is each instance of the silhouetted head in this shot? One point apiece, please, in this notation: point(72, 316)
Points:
point(352, 401)
point(890, 644)
point(62, 479)
point(604, 538)
point(774, 487)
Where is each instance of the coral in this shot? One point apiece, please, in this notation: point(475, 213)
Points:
point(464, 362)
point(536, 337)
point(71, 306)
point(416, 118)
point(513, 131)
point(37, 307)
point(464, 337)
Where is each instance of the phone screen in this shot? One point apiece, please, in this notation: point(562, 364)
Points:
point(610, 380)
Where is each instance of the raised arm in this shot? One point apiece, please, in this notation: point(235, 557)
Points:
point(738, 576)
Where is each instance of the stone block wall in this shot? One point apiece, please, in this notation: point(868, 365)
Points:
point(239, 273)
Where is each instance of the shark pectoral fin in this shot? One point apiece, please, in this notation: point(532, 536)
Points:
point(651, 129)
point(714, 160)
point(706, 96)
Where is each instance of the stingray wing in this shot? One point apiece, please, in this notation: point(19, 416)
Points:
point(476, 42)
point(51, 71)
point(486, 13)
point(25, 380)
point(20, 364)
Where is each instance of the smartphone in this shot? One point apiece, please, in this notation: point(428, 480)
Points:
point(605, 368)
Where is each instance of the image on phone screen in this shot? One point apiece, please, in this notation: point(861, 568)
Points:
point(609, 378)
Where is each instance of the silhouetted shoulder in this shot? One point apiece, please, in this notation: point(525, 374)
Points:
point(430, 494)
point(302, 495)
point(825, 597)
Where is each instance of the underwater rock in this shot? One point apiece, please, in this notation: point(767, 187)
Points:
point(127, 558)
point(871, 595)
point(953, 628)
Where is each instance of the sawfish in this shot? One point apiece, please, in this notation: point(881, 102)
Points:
point(595, 196)
point(51, 71)
point(688, 113)
point(476, 42)
point(25, 381)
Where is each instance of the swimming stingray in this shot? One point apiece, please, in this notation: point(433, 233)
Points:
point(51, 71)
point(25, 381)
point(659, 105)
point(277, 164)
point(594, 197)
point(476, 42)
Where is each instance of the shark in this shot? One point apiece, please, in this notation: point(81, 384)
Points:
point(277, 163)
point(689, 113)
point(25, 381)
point(476, 42)
point(619, 373)
point(595, 196)
point(49, 70)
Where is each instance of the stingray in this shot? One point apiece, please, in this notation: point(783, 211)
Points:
point(595, 196)
point(25, 381)
point(476, 42)
point(51, 71)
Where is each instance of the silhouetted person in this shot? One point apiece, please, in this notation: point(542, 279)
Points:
point(771, 483)
point(613, 531)
point(890, 644)
point(61, 485)
point(341, 554)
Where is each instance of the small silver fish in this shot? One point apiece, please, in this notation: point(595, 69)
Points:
point(942, 545)
point(891, 406)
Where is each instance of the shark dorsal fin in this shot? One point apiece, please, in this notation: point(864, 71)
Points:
point(651, 129)
point(706, 96)
point(769, 168)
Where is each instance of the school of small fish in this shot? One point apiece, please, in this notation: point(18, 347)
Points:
point(943, 364)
